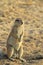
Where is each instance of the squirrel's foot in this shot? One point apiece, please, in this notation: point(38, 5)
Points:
point(12, 59)
point(23, 60)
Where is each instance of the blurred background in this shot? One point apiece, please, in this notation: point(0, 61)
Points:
point(31, 13)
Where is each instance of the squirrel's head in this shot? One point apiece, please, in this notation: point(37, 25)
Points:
point(18, 22)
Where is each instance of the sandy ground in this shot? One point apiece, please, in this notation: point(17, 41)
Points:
point(31, 12)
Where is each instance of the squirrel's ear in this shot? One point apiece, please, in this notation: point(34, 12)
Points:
point(18, 20)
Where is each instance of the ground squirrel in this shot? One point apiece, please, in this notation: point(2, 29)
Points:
point(15, 40)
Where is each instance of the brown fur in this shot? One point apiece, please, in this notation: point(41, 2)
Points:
point(15, 40)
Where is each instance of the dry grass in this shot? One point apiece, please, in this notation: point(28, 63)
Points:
point(31, 12)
